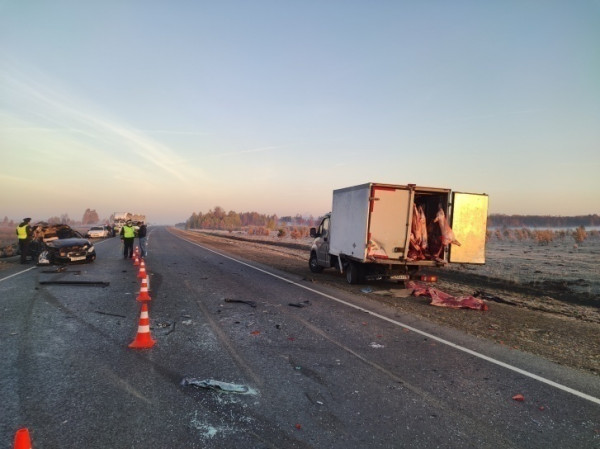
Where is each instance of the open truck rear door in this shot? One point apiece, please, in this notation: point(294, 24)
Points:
point(469, 223)
point(390, 209)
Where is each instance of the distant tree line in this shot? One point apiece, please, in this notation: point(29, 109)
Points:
point(539, 221)
point(90, 217)
point(217, 218)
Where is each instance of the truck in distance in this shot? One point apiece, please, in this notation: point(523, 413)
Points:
point(120, 218)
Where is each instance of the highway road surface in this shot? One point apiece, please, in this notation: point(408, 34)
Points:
point(248, 357)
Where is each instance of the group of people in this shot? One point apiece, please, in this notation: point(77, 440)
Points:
point(25, 234)
point(128, 234)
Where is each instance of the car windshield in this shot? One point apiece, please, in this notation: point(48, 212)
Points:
point(97, 228)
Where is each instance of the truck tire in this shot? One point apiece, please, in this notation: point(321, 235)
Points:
point(313, 263)
point(353, 271)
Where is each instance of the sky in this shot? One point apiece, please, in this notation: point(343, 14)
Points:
point(173, 107)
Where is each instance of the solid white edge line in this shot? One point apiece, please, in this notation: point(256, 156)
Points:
point(16, 274)
point(433, 337)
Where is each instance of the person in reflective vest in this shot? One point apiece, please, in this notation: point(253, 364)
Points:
point(24, 235)
point(128, 236)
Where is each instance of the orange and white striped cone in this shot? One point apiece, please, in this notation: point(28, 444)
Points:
point(143, 339)
point(136, 261)
point(142, 272)
point(144, 296)
point(22, 440)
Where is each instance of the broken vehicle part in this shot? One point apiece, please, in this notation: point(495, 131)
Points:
point(299, 304)
point(483, 295)
point(216, 385)
point(92, 283)
point(250, 303)
point(110, 314)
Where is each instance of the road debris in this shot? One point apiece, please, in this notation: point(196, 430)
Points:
point(518, 397)
point(90, 283)
point(221, 387)
point(242, 301)
point(299, 304)
point(376, 345)
point(110, 314)
point(60, 269)
point(488, 297)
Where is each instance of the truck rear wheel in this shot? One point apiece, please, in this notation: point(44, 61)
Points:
point(353, 273)
point(313, 263)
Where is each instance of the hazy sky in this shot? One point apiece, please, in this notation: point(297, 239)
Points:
point(173, 107)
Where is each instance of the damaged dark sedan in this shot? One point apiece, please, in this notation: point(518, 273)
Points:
point(60, 244)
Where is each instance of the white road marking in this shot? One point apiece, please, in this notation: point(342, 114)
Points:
point(413, 329)
point(16, 274)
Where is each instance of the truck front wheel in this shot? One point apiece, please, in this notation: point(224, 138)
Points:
point(313, 263)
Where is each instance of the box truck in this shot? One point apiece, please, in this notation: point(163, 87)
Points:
point(385, 231)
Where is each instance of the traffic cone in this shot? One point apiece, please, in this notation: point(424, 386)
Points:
point(142, 272)
point(136, 261)
point(22, 440)
point(143, 339)
point(144, 296)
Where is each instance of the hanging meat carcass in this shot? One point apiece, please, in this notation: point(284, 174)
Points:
point(418, 234)
point(447, 236)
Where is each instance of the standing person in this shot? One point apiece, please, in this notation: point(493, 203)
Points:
point(142, 236)
point(24, 235)
point(128, 236)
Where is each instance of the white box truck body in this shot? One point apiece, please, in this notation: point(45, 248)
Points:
point(368, 236)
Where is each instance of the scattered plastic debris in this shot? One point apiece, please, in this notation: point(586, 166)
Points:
point(187, 322)
point(518, 397)
point(250, 303)
point(366, 290)
point(300, 304)
point(376, 345)
point(255, 333)
point(222, 387)
point(298, 426)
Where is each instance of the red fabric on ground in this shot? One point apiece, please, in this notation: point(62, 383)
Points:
point(442, 299)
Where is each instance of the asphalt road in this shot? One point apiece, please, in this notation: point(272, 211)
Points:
point(308, 367)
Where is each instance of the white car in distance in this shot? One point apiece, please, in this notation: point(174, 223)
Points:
point(97, 232)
